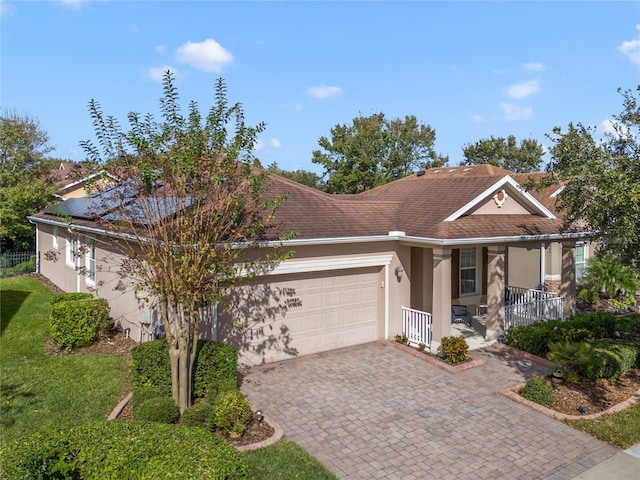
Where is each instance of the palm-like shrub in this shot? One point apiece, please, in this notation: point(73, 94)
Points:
point(606, 274)
point(569, 355)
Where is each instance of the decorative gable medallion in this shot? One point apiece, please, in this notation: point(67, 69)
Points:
point(500, 197)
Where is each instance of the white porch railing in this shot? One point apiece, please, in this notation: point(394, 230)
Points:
point(527, 306)
point(416, 325)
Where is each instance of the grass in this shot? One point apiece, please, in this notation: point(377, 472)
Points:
point(38, 391)
point(620, 429)
point(285, 460)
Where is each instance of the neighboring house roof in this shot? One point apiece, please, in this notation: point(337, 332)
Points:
point(70, 178)
point(443, 204)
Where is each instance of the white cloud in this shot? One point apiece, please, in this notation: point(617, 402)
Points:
point(631, 48)
point(260, 145)
point(608, 127)
point(533, 67)
point(514, 112)
point(323, 91)
point(74, 3)
point(524, 89)
point(156, 73)
point(477, 118)
point(161, 49)
point(208, 56)
point(275, 143)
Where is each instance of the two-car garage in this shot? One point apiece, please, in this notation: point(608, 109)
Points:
point(282, 316)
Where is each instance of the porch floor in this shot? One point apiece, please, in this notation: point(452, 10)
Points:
point(474, 335)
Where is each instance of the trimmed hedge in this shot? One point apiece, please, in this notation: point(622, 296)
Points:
point(538, 390)
point(232, 413)
point(215, 362)
point(157, 409)
point(66, 297)
point(119, 449)
point(78, 320)
point(610, 359)
point(199, 415)
point(578, 328)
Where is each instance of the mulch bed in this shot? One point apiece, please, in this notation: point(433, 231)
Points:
point(595, 396)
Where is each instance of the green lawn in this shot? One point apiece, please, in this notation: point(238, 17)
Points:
point(620, 429)
point(38, 391)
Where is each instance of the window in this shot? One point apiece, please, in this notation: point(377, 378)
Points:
point(90, 264)
point(468, 270)
point(55, 237)
point(582, 255)
point(71, 250)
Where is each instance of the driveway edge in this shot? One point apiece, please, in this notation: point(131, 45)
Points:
point(431, 360)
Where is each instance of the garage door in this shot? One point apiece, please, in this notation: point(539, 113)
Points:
point(312, 313)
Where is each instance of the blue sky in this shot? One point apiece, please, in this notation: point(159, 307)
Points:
point(469, 69)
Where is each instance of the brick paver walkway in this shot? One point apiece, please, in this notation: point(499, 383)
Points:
point(373, 411)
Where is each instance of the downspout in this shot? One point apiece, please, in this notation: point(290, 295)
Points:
point(386, 301)
point(543, 253)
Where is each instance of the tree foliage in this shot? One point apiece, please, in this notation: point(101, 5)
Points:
point(304, 177)
point(25, 186)
point(505, 153)
point(601, 179)
point(192, 207)
point(373, 151)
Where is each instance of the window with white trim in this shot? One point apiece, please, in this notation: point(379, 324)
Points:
point(468, 270)
point(72, 246)
point(582, 255)
point(55, 237)
point(90, 263)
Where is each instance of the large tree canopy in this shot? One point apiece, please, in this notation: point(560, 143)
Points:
point(374, 151)
point(602, 179)
point(191, 205)
point(25, 186)
point(505, 153)
point(305, 177)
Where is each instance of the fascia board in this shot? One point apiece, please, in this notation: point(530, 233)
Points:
point(506, 180)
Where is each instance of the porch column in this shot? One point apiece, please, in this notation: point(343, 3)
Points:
point(568, 278)
point(441, 311)
point(495, 291)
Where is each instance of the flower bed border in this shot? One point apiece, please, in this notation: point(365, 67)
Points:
point(512, 392)
point(432, 360)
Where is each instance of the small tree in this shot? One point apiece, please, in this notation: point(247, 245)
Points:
point(374, 151)
point(505, 153)
point(188, 209)
point(25, 186)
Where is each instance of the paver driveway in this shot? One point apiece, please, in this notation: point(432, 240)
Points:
point(373, 411)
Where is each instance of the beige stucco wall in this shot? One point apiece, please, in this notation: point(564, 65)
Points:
point(523, 263)
point(126, 310)
point(509, 207)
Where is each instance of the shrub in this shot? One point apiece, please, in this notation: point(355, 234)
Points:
point(77, 323)
point(605, 273)
point(199, 415)
point(454, 349)
point(157, 409)
point(65, 297)
point(232, 413)
point(569, 354)
point(142, 394)
point(215, 361)
point(150, 366)
point(628, 324)
point(538, 390)
point(218, 388)
point(401, 338)
point(610, 359)
point(117, 449)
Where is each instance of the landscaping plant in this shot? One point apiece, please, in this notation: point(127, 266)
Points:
point(454, 349)
point(569, 355)
point(538, 390)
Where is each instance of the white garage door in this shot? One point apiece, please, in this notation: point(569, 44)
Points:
point(315, 312)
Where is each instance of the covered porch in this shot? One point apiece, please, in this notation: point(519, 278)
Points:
point(477, 277)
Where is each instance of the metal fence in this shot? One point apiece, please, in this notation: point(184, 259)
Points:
point(19, 263)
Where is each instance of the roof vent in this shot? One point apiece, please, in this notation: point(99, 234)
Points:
point(451, 171)
point(420, 173)
point(436, 171)
point(466, 169)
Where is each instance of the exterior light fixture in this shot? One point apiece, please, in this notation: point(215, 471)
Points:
point(259, 416)
point(399, 272)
